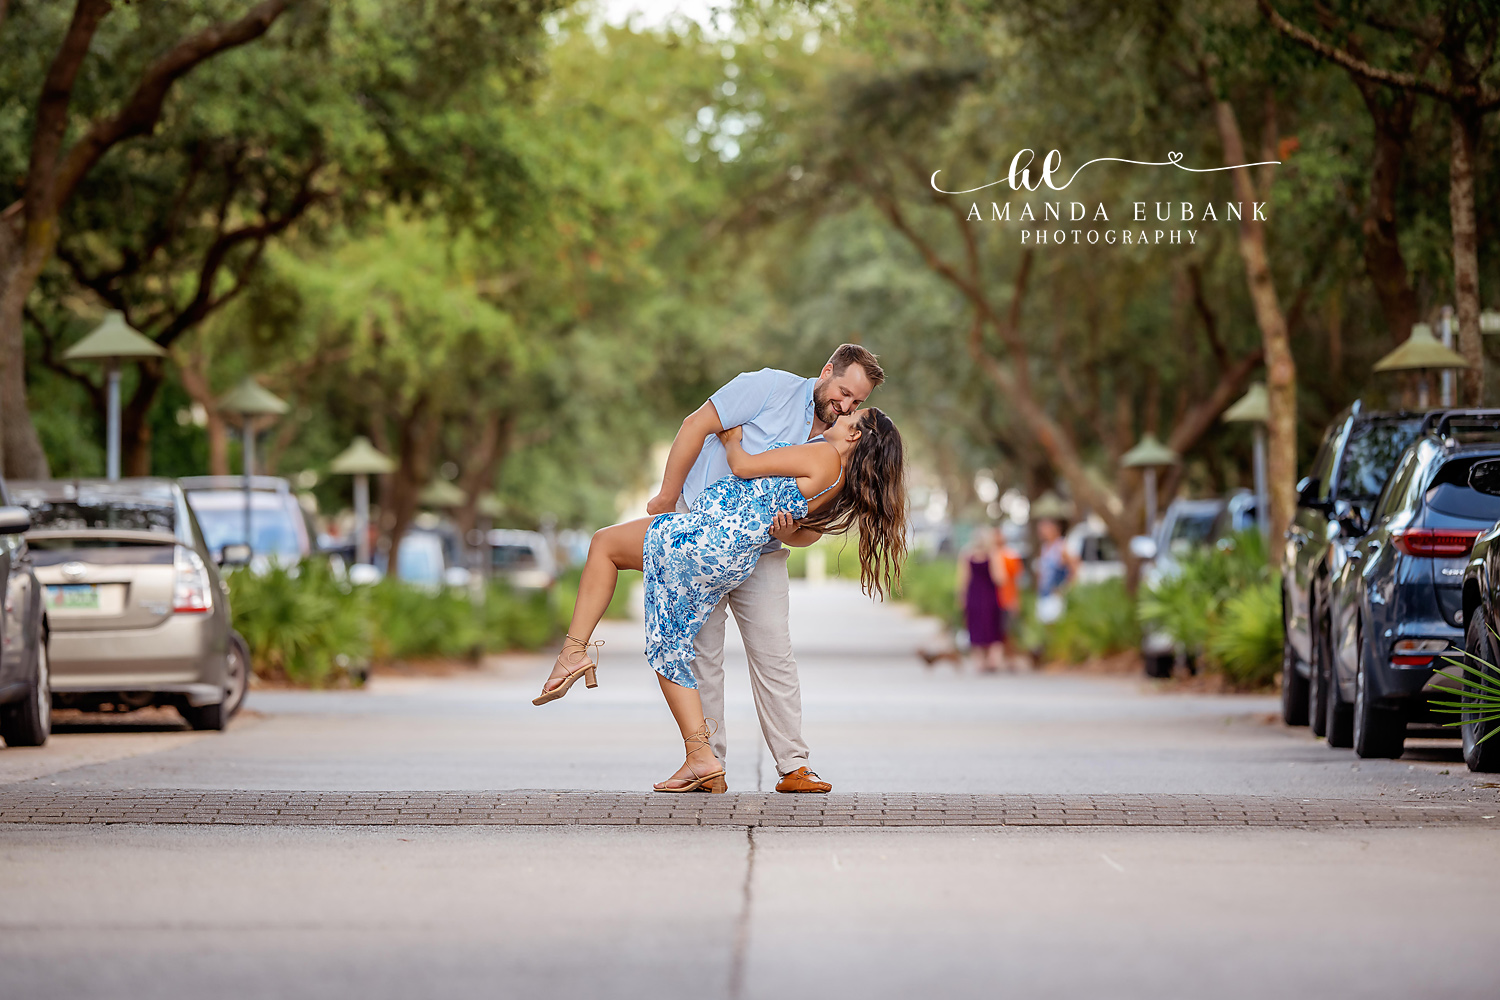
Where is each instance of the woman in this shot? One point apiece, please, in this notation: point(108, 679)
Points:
point(853, 477)
point(1055, 569)
point(981, 573)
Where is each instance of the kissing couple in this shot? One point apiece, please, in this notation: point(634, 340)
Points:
point(772, 458)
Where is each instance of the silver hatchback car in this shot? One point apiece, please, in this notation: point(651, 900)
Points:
point(138, 612)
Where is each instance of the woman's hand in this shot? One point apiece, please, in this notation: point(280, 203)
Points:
point(731, 435)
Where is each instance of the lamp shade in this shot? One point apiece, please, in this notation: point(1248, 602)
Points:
point(1421, 350)
point(1148, 452)
point(1254, 407)
point(114, 339)
point(361, 457)
point(1050, 507)
point(248, 399)
point(441, 493)
point(490, 506)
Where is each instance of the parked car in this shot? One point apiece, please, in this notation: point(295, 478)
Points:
point(1186, 525)
point(280, 530)
point(522, 558)
point(1395, 605)
point(137, 611)
point(1358, 452)
point(1481, 617)
point(1237, 515)
point(25, 678)
point(1098, 556)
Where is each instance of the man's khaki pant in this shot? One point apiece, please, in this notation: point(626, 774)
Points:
point(760, 610)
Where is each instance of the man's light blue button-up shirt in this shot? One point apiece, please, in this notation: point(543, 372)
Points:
point(771, 405)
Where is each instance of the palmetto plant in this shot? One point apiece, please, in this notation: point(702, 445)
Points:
point(1476, 698)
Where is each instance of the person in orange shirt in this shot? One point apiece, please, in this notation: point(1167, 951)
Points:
point(1007, 566)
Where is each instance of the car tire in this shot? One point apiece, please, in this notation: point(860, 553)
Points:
point(1479, 645)
point(212, 718)
point(1159, 665)
point(28, 722)
point(1293, 684)
point(1338, 720)
point(1378, 732)
point(1320, 644)
point(237, 675)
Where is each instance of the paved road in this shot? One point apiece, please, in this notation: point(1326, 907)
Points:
point(1332, 907)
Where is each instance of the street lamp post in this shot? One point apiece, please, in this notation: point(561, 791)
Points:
point(249, 401)
point(112, 342)
point(361, 460)
point(1254, 408)
point(1148, 455)
point(1421, 353)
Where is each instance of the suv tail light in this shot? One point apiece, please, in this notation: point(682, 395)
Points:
point(1416, 652)
point(1441, 542)
point(192, 594)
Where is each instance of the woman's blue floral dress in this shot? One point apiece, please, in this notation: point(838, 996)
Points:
point(692, 560)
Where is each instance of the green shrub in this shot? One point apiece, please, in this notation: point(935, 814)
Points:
point(307, 627)
point(1223, 604)
point(1099, 619)
point(928, 583)
point(301, 624)
point(1246, 640)
point(567, 595)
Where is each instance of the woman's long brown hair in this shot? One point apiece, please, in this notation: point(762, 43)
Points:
point(873, 499)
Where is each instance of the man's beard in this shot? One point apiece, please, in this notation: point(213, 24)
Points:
point(823, 407)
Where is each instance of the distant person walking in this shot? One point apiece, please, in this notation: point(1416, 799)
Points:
point(981, 571)
point(1056, 567)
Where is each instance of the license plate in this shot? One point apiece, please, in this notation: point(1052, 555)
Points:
point(80, 596)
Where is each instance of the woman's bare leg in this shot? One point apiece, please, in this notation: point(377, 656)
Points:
point(620, 546)
point(687, 709)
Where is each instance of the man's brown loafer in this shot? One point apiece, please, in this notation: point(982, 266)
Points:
point(802, 780)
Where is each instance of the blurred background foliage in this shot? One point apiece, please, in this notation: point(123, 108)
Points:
point(514, 243)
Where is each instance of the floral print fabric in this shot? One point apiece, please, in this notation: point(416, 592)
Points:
point(692, 560)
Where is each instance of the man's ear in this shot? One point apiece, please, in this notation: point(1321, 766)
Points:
point(827, 370)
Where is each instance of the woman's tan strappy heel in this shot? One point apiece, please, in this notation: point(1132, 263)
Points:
point(585, 669)
point(700, 782)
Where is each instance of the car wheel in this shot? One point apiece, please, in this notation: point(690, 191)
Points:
point(1378, 732)
point(1479, 644)
point(1321, 647)
point(237, 675)
point(207, 717)
point(1293, 684)
point(28, 722)
point(1338, 720)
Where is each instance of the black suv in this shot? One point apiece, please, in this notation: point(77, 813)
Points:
point(25, 688)
point(1481, 617)
point(1358, 453)
point(1396, 605)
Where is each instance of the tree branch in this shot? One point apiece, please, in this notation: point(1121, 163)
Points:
point(40, 193)
point(143, 109)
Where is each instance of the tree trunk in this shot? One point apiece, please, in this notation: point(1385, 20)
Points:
point(1382, 251)
point(21, 454)
point(1281, 368)
point(1465, 144)
point(192, 368)
point(135, 420)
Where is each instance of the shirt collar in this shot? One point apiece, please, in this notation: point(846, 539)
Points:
point(807, 403)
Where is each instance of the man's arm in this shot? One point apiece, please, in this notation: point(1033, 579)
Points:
point(686, 446)
point(785, 530)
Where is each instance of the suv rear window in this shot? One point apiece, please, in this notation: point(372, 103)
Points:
point(74, 515)
point(1371, 455)
point(1449, 493)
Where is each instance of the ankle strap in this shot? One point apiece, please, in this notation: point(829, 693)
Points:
point(705, 734)
point(585, 646)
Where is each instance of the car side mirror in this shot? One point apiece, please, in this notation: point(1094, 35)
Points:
point(1307, 495)
point(1350, 518)
point(236, 554)
point(14, 520)
point(1484, 477)
point(1143, 547)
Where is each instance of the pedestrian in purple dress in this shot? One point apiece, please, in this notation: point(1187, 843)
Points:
point(981, 568)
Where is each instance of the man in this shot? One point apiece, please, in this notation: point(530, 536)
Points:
point(772, 406)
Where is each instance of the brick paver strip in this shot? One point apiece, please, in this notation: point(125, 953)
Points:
point(31, 804)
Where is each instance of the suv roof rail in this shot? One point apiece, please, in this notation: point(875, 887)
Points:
point(1441, 422)
point(273, 484)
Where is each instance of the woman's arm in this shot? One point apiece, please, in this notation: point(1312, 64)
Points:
point(802, 461)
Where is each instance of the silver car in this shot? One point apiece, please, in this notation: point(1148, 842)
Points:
point(137, 610)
